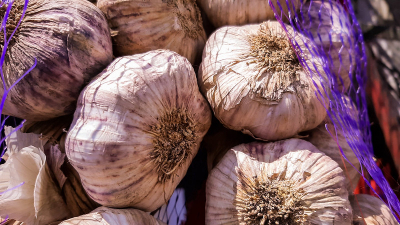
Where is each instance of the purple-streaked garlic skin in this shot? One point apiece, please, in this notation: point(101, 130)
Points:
point(123, 123)
point(316, 179)
point(71, 43)
point(138, 26)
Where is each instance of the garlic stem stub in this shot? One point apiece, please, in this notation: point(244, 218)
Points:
point(370, 210)
point(137, 127)
point(139, 26)
point(109, 216)
point(241, 12)
point(283, 182)
point(69, 39)
point(255, 83)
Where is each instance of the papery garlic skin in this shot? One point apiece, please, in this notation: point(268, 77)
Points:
point(109, 216)
point(370, 210)
point(38, 200)
point(241, 12)
point(330, 27)
point(327, 144)
point(316, 180)
point(245, 96)
point(138, 111)
point(138, 26)
point(71, 43)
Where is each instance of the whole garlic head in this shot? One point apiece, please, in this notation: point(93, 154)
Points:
point(109, 216)
point(254, 82)
point(241, 12)
point(136, 129)
point(283, 182)
point(138, 26)
point(71, 43)
point(370, 210)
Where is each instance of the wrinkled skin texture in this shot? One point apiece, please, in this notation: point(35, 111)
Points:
point(71, 42)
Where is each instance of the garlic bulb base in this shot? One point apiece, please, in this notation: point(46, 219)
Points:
point(174, 137)
point(12, 21)
point(274, 201)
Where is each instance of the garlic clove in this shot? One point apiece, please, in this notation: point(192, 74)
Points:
point(242, 12)
point(32, 196)
point(37, 200)
point(109, 216)
point(283, 182)
point(137, 127)
point(71, 42)
point(370, 210)
point(157, 24)
point(259, 91)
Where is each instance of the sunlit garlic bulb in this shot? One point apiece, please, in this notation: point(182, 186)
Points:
point(370, 210)
point(109, 216)
point(255, 83)
point(283, 182)
point(139, 26)
point(136, 129)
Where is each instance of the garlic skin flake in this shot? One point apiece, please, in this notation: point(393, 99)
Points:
point(139, 26)
point(109, 216)
point(285, 182)
point(37, 201)
point(254, 82)
point(137, 127)
point(241, 12)
point(371, 210)
point(70, 39)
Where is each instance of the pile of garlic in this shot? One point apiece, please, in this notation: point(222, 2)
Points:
point(126, 70)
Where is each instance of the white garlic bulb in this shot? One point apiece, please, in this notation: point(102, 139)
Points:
point(330, 27)
point(71, 42)
point(109, 216)
point(241, 12)
point(370, 210)
point(139, 26)
point(254, 82)
point(33, 196)
point(136, 129)
point(283, 182)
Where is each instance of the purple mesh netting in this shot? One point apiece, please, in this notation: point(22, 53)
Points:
point(332, 35)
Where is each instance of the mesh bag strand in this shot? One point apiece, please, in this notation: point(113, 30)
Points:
point(330, 32)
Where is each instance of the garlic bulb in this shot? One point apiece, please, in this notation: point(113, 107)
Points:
point(136, 129)
point(241, 12)
point(71, 42)
point(33, 197)
point(283, 182)
point(155, 24)
point(371, 210)
point(109, 216)
point(254, 82)
point(330, 27)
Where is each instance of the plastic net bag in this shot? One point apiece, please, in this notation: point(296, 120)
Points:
point(331, 35)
